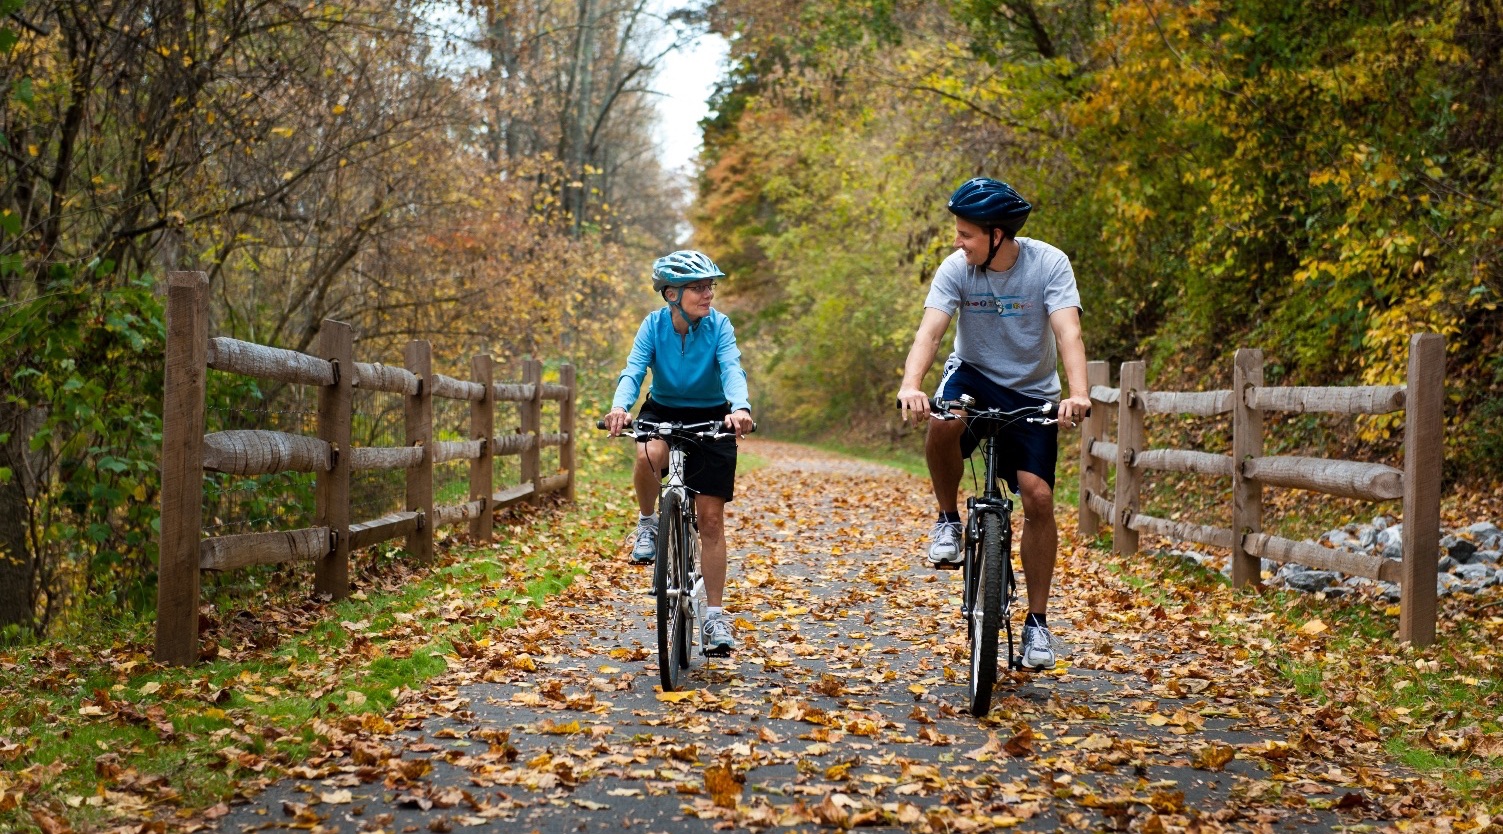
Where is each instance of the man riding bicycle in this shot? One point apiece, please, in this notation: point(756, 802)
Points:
point(696, 377)
point(1019, 319)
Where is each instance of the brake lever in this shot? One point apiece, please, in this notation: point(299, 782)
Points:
point(721, 432)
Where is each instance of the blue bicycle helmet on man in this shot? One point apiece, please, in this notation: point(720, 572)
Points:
point(990, 204)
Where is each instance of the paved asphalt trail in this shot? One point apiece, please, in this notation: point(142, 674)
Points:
point(845, 706)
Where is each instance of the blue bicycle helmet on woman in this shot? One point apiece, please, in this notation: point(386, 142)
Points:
point(680, 268)
point(991, 205)
point(683, 267)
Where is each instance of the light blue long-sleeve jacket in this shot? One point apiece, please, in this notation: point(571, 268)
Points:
point(699, 369)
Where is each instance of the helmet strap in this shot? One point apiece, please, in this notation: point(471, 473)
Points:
point(992, 245)
point(678, 304)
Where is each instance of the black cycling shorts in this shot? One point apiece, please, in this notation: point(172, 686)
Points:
point(1024, 446)
point(709, 466)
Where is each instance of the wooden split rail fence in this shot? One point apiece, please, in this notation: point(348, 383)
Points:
point(187, 452)
point(1418, 483)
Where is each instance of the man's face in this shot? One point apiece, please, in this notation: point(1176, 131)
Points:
point(973, 241)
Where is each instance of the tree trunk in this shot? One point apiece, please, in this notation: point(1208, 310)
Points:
point(18, 567)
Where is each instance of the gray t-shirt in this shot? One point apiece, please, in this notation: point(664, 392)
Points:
point(1004, 329)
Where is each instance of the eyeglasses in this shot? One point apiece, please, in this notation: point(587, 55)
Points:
point(702, 289)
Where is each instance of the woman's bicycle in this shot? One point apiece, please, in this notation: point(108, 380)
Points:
point(677, 581)
point(990, 583)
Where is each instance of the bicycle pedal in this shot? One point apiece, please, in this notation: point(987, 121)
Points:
point(718, 652)
point(945, 565)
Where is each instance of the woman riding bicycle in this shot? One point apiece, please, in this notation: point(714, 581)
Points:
point(696, 376)
point(1019, 317)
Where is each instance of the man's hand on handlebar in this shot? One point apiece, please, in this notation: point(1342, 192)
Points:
point(616, 420)
point(1072, 410)
point(740, 422)
point(915, 401)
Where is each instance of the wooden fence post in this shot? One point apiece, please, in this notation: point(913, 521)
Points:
point(1424, 399)
point(418, 413)
point(566, 425)
point(1092, 469)
point(183, 395)
point(532, 423)
point(483, 428)
point(336, 342)
point(1247, 443)
point(1132, 380)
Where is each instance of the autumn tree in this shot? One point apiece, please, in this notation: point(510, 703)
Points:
point(317, 162)
point(1318, 180)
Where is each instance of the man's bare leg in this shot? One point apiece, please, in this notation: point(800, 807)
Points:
point(1039, 543)
point(942, 453)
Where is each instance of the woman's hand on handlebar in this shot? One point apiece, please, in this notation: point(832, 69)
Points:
point(740, 422)
point(616, 420)
point(915, 401)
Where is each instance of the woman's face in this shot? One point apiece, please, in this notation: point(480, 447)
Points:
point(696, 298)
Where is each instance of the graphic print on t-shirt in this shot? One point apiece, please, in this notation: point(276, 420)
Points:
point(1006, 306)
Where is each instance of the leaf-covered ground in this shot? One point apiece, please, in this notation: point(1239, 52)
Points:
point(844, 708)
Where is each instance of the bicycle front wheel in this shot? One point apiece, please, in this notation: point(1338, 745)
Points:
point(986, 611)
point(669, 583)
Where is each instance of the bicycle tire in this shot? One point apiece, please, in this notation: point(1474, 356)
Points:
point(669, 585)
point(986, 613)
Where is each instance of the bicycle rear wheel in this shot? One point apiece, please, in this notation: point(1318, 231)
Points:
point(670, 584)
point(986, 612)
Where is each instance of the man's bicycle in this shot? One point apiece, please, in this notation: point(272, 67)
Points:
point(677, 581)
point(990, 583)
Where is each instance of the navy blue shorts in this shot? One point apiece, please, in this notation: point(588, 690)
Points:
point(709, 468)
point(1029, 447)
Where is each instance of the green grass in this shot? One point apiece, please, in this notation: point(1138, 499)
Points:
point(749, 462)
point(318, 664)
point(910, 460)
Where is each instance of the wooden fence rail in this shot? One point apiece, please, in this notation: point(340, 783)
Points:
point(1418, 483)
point(187, 452)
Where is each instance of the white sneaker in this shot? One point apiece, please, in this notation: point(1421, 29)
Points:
point(1038, 647)
point(944, 543)
point(644, 550)
point(717, 636)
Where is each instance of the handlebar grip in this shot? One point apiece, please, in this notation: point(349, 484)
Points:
point(600, 424)
point(933, 401)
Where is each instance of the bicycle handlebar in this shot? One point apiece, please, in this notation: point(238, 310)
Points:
point(708, 430)
point(1046, 413)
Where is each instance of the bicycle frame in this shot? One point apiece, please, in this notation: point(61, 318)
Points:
point(678, 580)
point(994, 500)
point(694, 585)
point(988, 580)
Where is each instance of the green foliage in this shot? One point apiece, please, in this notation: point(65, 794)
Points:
point(88, 367)
point(1318, 180)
